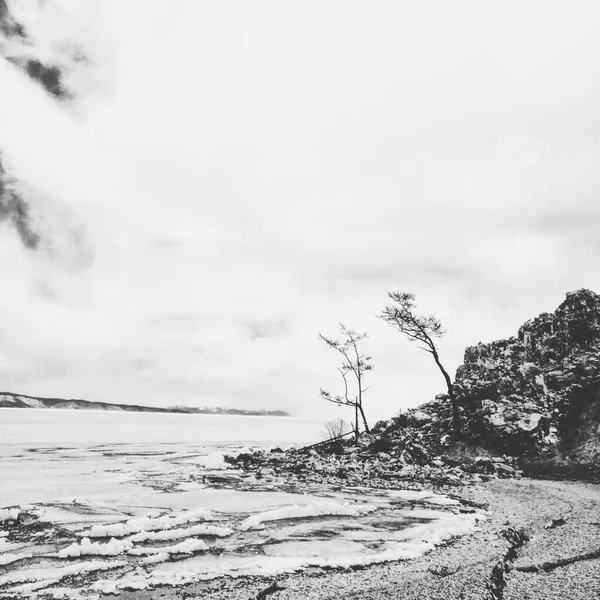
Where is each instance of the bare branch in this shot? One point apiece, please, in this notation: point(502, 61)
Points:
point(345, 384)
point(353, 362)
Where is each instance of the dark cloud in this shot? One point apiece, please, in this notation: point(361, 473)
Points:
point(15, 210)
point(49, 76)
point(8, 26)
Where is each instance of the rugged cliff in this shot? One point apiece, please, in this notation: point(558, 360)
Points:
point(534, 397)
point(538, 394)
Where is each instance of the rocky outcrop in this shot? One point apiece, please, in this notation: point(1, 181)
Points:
point(538, 394)
point(529, 402)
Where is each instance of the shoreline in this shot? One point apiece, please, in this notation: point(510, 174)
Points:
point(125, 411)
point(464, 568)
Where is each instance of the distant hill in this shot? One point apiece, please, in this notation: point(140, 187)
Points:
point(10, 400)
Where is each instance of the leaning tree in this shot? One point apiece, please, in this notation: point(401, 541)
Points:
point(354, 364)
point(424, 330)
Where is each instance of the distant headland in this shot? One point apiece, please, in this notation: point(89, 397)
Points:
point(10, 400)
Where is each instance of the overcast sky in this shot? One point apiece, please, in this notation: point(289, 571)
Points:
point(232, 178)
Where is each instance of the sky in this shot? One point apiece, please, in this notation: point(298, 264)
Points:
point(227, 180)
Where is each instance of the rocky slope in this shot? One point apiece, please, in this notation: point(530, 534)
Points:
point(530, 402)
point(535, 397)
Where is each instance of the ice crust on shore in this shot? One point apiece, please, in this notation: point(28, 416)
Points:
point(149, 524)
point(188, 546)
point(115, 546)
point(411, 543)
point(312, 509)
point(44, 577)
point(89, 548)
point(422, 496)
point(174, 534)
point(135, 510)
point(7, 559)
point(214, 461)
point(9, 514)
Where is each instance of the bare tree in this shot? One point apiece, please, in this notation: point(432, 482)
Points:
point(336, 428)
point(422, 330)
point(353, 363)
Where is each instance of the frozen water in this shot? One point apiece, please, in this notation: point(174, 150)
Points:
point(173, 534)
point(188, 546)
point(7, 559)
point(9, 514)
point(312, 509)
point(150, 524)
point(156, 494)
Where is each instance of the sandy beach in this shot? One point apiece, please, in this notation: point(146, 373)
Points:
point(463, 568)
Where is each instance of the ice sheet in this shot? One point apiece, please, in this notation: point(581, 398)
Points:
point(148, 504)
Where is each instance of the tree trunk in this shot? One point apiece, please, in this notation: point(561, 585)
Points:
point(362, 414)
point(455, 414)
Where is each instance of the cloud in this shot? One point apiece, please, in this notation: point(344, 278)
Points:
point(15, 210)
point(224, 181)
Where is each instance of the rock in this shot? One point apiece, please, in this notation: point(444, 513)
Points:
point(555, 523)
point(418, 417)
point(365, 440)
point(538, 393)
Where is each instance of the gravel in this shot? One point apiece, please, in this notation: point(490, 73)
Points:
point(461, 569)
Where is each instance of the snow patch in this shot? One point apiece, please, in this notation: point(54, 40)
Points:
point(312, 509)
point(173, 534)
point(149, 524)
point(7, 559)
point(106, 586)
point(422, 496)
point(188, 546)
point(214, 461)
point(156, 558)
point(9, 514)
point(88, 548)
point(47, 576)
